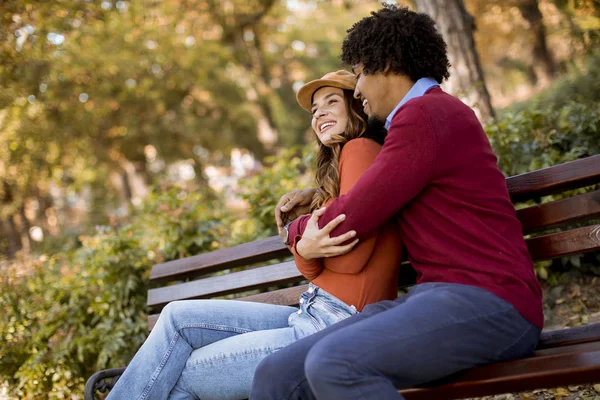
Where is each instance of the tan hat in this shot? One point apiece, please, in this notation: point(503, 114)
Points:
point(339, 79)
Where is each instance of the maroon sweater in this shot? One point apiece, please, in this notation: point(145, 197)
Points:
point(438, 175)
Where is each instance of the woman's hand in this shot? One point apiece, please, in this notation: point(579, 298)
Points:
point(316, 243)
point(292, 205)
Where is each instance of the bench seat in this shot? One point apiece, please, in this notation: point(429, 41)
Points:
point(558, 366)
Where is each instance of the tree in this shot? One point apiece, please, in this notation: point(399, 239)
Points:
point(543, 63)
point(466, 75)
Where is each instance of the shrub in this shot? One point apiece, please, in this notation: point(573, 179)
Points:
point(82, 310)
point(291, 169)
point(537, 138)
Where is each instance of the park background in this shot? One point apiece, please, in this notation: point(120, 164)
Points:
point(136, 132)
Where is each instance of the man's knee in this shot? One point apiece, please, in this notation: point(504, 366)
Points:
point(264, 372)
point(280, 376)
point(327, 363)
point(266, 378)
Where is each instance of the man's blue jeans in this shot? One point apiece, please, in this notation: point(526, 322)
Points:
point(433, 331)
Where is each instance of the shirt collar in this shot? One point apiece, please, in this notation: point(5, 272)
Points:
point(418, 89)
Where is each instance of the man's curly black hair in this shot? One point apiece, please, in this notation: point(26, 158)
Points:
point(403, 39)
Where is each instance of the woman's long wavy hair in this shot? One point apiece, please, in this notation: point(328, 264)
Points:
point(328, 157)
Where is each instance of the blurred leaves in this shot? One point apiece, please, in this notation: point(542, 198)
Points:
point(291, 169)
point(78, 311)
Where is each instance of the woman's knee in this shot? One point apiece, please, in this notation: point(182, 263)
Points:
point(174, 313)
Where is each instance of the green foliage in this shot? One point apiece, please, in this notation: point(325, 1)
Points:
point(73, 313)
point(291, 169)
point(581, 84)
point(535, 138)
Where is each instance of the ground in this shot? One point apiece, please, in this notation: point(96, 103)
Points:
point(573, 303)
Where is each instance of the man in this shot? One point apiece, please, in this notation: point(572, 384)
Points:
point(477, 299)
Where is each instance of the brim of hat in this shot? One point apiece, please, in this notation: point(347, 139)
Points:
point(305, 94)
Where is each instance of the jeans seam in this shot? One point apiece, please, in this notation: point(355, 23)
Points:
point(498, 355)
point(221, 357)
point(289, 395)
point(161, 366)
point(213, 327)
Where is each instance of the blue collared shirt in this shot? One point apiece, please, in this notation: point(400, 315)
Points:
point(419, 89)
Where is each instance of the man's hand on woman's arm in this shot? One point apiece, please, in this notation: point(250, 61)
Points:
point(292, 205)
point(316, 243)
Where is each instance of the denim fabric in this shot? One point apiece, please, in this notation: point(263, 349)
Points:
point(209, 349)
point(433, 331)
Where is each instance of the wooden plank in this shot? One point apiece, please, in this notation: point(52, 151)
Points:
point(281, 297)
point(570, 336)
point(561, 244)
point(152, 321)
point(577, 208)
point(244, 254)
point(556, 179)
point(226, 284)
point(577, 364)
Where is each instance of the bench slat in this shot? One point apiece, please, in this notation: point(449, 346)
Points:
point(569, 365)
point(561, 244)
point(244, 254)
point(577, 208)
point(269, 275)
point(569, 336)
point(281, 297)
point(556, 179)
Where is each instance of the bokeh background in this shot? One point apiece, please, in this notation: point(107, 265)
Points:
point(135, 132)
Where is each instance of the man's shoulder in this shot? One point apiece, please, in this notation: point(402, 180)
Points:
point(435, 105)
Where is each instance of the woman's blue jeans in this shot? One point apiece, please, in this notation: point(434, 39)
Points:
point(209, 349)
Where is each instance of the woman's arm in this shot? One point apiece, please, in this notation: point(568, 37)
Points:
point(310, 269)
point(357, 155)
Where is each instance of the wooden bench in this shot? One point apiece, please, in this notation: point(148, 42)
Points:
point(563, 357)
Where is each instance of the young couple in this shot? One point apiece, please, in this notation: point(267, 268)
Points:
point(433, 187)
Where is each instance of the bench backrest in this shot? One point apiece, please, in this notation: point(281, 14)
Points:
point(552, 229)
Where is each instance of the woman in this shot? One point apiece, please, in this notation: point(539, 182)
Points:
point(209, 349)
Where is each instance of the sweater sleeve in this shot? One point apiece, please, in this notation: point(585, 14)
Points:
point(356, 157)
point(310, 269)
point(400, 172)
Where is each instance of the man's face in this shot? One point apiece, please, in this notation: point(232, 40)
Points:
point(371, 90)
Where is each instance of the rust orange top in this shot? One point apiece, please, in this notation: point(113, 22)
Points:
point(368, 273)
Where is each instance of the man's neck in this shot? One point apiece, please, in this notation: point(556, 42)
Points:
point(399, 85)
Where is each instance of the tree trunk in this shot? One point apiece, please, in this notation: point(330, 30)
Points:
point(543, 64)
point(466, 75)
point(13, 240)
point(22, 227)
point(239, 32)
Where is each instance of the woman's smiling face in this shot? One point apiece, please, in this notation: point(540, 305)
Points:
point(330, 114)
